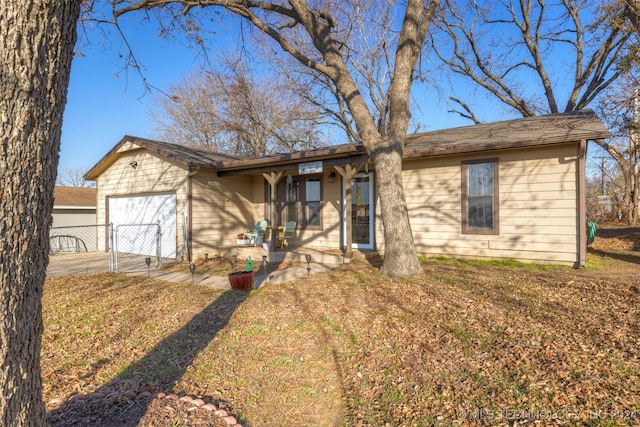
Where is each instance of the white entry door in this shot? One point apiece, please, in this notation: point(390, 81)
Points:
point(362, 211)
point(148, 209)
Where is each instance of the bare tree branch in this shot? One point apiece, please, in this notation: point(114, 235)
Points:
point(468, 113)
point(319, 37)
point(624, 144)
point(231, 111)
point(533, 55)
point(73, 177)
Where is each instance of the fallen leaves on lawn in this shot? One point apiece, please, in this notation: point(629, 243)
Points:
point(467, 343)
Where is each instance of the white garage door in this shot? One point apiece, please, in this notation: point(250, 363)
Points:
point(151, 209)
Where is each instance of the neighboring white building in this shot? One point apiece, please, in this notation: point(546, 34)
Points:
point(74, 206)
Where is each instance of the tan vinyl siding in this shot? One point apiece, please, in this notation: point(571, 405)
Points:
point(538, 208)
point(222, 208)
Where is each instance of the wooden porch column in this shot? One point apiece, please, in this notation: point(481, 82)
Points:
point(347, 173)
point(273, 178)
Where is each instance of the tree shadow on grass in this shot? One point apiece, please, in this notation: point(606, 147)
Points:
point(626, 257)
point(121, 401)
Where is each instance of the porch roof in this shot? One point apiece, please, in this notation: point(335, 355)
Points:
point(510, 134)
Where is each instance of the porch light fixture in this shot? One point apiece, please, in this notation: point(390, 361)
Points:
point(332, 177)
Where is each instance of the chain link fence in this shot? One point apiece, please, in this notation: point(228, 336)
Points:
point(86, 249)
point(80, 249)
point(76, 239)
point(605, 210)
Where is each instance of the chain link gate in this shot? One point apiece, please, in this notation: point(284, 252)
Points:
point(137, 247)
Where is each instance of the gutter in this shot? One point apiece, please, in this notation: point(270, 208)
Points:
point(582, 205)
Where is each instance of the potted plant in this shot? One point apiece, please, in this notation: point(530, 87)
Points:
point(242, 280)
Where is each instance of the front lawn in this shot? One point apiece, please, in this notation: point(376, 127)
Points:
point(501, 342)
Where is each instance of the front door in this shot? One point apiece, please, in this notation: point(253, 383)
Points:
point(362, 211)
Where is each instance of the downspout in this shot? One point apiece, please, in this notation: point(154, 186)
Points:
point(582, 205)
point(189, 241)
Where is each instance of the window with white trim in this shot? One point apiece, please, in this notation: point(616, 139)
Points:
point(480, 197)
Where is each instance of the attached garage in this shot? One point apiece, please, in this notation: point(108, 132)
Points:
point(141, 181)
point(137, 219)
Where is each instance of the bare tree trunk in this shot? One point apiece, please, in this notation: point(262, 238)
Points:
point(38, 38)
point(400, 258)
point(633, 199)
point(633, 163)
point(383, 133)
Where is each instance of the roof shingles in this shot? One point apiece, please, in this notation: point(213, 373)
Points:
point(518, 133)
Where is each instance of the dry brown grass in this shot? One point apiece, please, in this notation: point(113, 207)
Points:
point(469, 339)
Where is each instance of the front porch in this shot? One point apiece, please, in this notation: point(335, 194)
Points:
point(288, 254)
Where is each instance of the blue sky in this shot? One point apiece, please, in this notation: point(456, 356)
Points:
point(106, 103)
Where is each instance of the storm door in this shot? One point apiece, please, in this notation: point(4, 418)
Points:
point(362, 211)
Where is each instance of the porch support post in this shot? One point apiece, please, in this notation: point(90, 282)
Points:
point(273, 178)
point(347, 173)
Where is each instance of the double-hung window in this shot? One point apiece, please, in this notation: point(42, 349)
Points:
point(480, 197)
point(312, 202)
point(299, 198)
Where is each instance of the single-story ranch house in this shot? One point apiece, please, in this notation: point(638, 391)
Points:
point(513, 189)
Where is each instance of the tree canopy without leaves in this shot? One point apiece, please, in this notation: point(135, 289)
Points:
point(234, 112)
point(540, 57)
point(619, 108)
point(323, 37)
point(73, 177)
point(535, 56)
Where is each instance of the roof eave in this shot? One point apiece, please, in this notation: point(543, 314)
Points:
point(292, 158)
point(495, 146)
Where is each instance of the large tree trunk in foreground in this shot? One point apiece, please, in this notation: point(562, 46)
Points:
point(399, 250)
point(37, 46)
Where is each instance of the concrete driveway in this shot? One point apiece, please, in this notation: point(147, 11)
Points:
point(83, 263)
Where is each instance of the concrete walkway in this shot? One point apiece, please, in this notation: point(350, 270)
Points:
point(222, 282)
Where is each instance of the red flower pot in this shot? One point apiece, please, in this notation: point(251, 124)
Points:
point(241, 280)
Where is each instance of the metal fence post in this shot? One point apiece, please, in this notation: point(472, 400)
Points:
point(112, 266)
point(159, 246)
